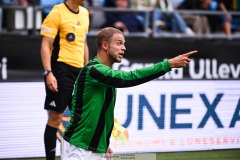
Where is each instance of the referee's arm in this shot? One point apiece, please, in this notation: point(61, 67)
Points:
point(46, 46)
point(86, 52)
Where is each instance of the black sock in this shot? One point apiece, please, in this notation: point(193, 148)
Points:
point(50, 139)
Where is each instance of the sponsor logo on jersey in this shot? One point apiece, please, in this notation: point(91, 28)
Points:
point(70, 37)
point(78, 23)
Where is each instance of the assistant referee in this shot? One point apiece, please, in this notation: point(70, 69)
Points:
point(64, 52)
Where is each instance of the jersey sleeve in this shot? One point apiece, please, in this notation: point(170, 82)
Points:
point(86, 14)
point(51, 23)
point(104, 75)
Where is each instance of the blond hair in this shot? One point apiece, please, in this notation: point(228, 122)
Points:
point(106, 34)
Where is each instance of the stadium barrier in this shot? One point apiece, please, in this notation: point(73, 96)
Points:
point(30, 18)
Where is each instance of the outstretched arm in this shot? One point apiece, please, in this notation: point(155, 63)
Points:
point(104, 75)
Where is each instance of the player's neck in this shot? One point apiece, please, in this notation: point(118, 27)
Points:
point(73, 6)
point(105, 59)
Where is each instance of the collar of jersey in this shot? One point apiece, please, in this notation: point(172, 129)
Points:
point(97, 60)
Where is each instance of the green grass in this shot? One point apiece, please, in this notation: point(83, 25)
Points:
point(193, 155)
point(201, 155)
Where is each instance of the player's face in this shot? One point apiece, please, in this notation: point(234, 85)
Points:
point(116, 48)
point(121, 3)
point(80, 2)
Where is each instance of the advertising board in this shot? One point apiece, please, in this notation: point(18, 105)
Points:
point(216, 60)
point(159, 116)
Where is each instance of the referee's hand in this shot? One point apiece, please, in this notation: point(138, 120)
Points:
point(52, 82)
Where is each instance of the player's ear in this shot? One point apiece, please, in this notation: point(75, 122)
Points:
point(104, 45)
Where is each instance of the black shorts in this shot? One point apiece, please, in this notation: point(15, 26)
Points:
point(66, 76)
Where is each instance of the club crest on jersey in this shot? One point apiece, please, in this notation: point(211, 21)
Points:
point(70, 37)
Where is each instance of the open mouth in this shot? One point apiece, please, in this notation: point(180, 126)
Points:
point(121, 54)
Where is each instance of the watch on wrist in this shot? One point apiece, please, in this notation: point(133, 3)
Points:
point(46, 72)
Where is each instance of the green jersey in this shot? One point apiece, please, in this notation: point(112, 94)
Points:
point(94, 96)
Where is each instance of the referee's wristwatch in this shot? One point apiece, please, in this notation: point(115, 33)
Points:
point(46, 72)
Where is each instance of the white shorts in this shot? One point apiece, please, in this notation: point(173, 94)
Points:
point(71, 152)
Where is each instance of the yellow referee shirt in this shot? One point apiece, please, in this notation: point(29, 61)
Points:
point(69, 30)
